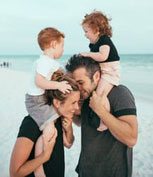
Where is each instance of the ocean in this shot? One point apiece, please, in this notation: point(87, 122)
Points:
point(136, 70)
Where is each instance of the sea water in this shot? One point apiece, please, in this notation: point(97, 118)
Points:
point(136, 70)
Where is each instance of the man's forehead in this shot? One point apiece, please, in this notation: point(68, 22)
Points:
point(80, 74)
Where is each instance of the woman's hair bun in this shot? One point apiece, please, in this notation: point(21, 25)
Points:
point(57, 75)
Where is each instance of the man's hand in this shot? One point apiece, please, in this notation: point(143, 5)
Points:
point(97, 102)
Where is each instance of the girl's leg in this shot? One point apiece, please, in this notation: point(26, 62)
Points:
point(104, 88)
point(48, 132)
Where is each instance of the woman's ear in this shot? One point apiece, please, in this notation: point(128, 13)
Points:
point(96, 76)
point(56, 103)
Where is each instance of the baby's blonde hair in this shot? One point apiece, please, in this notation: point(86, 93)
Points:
point(47, 35)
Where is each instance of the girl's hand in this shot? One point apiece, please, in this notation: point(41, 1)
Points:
point(85, 54)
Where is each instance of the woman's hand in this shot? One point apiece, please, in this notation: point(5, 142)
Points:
point(67, 123)
point(68, 136)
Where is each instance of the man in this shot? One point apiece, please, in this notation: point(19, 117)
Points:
point(107, 153)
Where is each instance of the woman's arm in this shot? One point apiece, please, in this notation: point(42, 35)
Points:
point(68, 137)
point(20, 166)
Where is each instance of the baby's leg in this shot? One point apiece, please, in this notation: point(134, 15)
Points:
point(104, 88)
point(39, 172)
point(48, 132)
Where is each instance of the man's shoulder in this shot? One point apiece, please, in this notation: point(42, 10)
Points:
point(121, 94)
point(120, 89)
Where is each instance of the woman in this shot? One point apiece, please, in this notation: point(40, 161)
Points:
point(23, 162)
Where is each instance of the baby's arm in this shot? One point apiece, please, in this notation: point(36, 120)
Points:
point(102, 55)
point(45, 84)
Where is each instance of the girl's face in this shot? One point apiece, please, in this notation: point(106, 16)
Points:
point(70, 105)
point(90, 34)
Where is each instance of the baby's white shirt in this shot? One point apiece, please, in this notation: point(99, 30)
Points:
point(44, 66)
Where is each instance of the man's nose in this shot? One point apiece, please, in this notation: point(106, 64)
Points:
point(80, 87)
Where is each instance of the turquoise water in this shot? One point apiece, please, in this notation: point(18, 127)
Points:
point(24, 62)
point(136, 70)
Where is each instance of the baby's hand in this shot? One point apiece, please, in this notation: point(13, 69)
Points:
point(64, 87)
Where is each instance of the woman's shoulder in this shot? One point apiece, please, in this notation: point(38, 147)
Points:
point(29, 129)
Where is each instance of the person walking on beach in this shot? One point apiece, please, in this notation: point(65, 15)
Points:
point(107, 153)
point(51, 42)
point(99, 32)
point(23, 160)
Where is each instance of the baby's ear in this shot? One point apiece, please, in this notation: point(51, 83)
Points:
point(53, 44)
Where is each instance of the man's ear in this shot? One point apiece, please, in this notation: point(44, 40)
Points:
point(56, 103)
point(96, 76)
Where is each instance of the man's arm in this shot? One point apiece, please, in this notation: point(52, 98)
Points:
point(123, 128)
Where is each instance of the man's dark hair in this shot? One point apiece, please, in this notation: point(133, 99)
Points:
point(79, 61)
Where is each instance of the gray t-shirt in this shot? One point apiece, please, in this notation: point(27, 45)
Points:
point(102, 155)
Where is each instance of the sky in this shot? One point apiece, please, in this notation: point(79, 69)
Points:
point(21, 21)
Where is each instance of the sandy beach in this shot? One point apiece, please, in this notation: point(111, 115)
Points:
point(13, 86)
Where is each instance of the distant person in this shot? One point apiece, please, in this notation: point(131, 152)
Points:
point(99, 32)
point(4, 64)
point(51, 42)
point(23, 159)
point(107, 153)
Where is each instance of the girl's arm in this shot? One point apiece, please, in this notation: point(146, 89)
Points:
point(45, 84)
point(100, 56)
point(20, 166)
point(68, 137)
